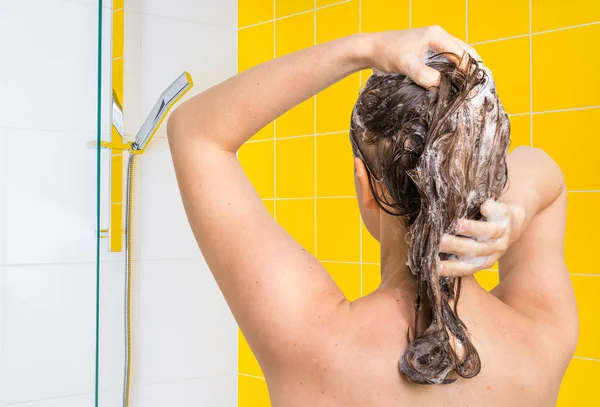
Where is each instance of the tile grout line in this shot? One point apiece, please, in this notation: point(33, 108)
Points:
point(294, 15)
point(467, 22)
point(296, 198)
point(315, 133)
point(584, 275)
point(75, 132)
point(360, 234)
point(293, 137)
point(349, 262)
point(74, 263)
point(584, 358)
point(530, 77)
point(52, 398)
point(583, 190)
point(567, 109)
point(565, 28)
point(513, 37)
point(274, 120)
point(250, 375)
point(192, 378)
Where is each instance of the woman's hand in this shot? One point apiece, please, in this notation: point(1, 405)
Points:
point(403, 52)
point(479, 244)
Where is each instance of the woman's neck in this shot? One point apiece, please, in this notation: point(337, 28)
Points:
point(394, 249)
point(396, 277)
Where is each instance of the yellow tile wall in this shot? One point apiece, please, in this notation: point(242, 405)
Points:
point(546, 71)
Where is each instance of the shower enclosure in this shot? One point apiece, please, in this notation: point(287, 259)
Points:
point(85, 78)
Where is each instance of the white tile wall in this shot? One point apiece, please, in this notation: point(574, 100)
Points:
point(162, 227)
point(132, 86)
point(1, 323)
point(212, 12)
point(174, 337)
point(111, 399)
point(51, 64)
point(2, 200)
point(170, 47)
point(78, 401)
point(112, 353)
point(211, 391)
point(50, 197)
point(48, 332)
point(186, 329)
point(133, 5)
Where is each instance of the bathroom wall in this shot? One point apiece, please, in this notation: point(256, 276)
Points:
point(184, 336)
point(185, 343)
point(301, 165)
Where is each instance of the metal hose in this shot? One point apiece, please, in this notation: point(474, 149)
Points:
point(128, 209)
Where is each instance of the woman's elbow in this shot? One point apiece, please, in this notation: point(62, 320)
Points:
point(545, 165)
point(174, 124)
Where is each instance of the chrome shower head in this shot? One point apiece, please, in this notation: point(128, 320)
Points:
point(167, 99)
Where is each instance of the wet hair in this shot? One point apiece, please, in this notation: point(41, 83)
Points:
point(433, 157)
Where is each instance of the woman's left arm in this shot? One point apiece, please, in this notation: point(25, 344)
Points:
point(278, 293)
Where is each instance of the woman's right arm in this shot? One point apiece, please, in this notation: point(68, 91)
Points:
point(533, 274)
point(534, 278)
point(535, 182)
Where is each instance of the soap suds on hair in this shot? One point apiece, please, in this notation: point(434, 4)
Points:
point(434, 157)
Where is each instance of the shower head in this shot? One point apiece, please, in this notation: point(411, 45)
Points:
point(167, 99)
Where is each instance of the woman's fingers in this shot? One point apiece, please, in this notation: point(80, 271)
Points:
point(423, 75)
point(494, 209)
point(486, 241)
point(460, 268)
point(456, 50)
point(466, 247)
point(440, 41)
point(479, 229)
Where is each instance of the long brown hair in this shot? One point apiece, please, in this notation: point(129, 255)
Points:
point(433, 157)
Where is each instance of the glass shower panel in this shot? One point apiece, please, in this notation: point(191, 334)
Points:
point(48, 206)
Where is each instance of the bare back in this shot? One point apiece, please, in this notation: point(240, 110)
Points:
point(523, 334)
point(358, 362)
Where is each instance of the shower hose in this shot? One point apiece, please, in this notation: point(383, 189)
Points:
point(128, 210)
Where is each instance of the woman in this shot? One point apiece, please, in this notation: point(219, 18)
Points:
point(510, 346)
